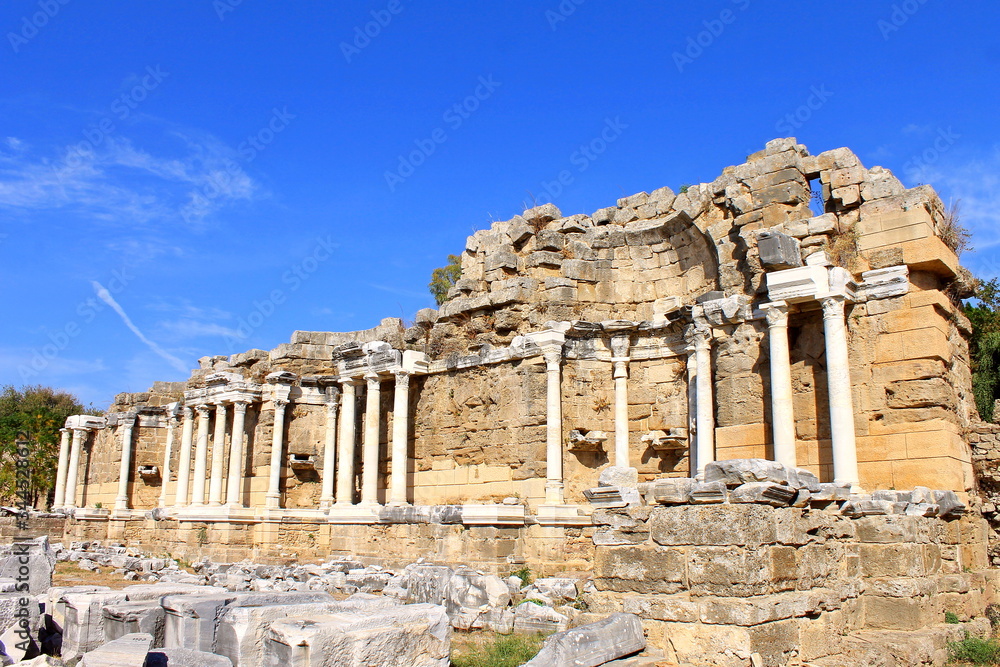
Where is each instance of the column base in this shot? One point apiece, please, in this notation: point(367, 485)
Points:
point(561, 515)
point(353, 514)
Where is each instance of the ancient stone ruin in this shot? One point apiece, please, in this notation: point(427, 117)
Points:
point(745, 409)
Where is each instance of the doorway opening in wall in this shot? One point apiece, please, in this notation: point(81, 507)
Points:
point(816, 203)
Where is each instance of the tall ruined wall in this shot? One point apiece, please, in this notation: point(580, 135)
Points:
point(478, 425)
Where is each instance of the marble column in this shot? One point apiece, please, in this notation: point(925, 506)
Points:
point(273, 498)
point(553, 426)
point(782, 415)
point(121, 501)
point(329, 448)
point(400, 438)
point(167, 451)
point(619, 348)
point(184, 459)
point(218, 454)
point(838, 379)
point(233, 490)
point(59, 499)
point(348, 434)
point(700, 340)
point(200, 457)
point(369, 461)
point(73, 473)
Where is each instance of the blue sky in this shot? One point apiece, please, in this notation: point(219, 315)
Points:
point(196, 177)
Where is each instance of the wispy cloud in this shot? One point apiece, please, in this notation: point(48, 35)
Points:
point(186, 329)
point(117, 182)
point(105, 296)
point(402, 292)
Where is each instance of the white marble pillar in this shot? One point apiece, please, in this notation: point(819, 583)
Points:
point(273, 498)
point(553, 425)
point(400, 438)
point(700, 340)
point(369, 461)
point(348, 434)
point(838, 378)
point(218, 454)
point(233, 491)
point(619, 348)
point(121, 501)
point(200, 457)
point(167, 451)
point(329, 448)
point(184, 459)
point(73, 473)
point(59, 499)
point(782, 415)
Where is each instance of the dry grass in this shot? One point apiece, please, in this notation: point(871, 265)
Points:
point(69, 574)
point(487, 649)
point(951, 230)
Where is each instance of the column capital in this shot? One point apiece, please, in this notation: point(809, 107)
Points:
point(352, 380)
point(280, 402)
point(833, 306)
point(203, 409)
point(188, 411)
point(65, 430)
point(82, 432)
point(402, 378)
point(698, 336)
point(222, 403)
point(241, 404)
point(373, 381)
point(776, 313)
point(332, 394)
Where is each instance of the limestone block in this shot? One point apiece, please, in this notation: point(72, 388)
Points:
point(128, 651)
point(950, 507)
point(641, 569)
point(720, 525)
point(734, 472)
point(84, 621)
point(129, 618)
point(501, 260)
point(471, 594)
point(777, 250)
point(541, 214)
point(242, 632)
point(822, 224)
point(531, 618)
point(414, 635)
point(708, 492)
point(726, 571)
point(55, 606)
point(427, 583)
point(593, 644)
point(192, 620)
point(604, 216)
point(618, 476)
point(579, 269)
point(767, 493)
point(37, 556)
point(182, 657)
point(885, 283)
point(728, 310)
point(673, 491)
point(798, 284)
point(848, 196)
point(563, 589)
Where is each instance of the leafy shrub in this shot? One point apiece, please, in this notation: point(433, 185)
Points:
point(975, 650)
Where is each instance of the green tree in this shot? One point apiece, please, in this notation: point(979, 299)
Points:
point(984, 346)
point(444, 278)
point(38, 413)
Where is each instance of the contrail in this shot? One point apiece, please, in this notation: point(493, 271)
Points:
point(105, 296)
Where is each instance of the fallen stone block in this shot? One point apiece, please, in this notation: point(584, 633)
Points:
point(734, 472)
point(84, 621)
point(803, 479)
point(863, 507)
point(949, 506)
point(128, 618)
point(128, 651)
point(242, 631)
point(593, 644)
point(183, 657)
point(767, 493)
point(530, 617)
point(830, 492)
point(427, 583)
point(671, 491)
point(471, 594)
point(41, 661)
point(618, 476)
point(417, 635)
point(30, 561)
point(557, 588)
point(192, 620)
point(708, 492)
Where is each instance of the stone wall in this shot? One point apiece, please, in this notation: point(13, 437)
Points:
point(717, 583)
